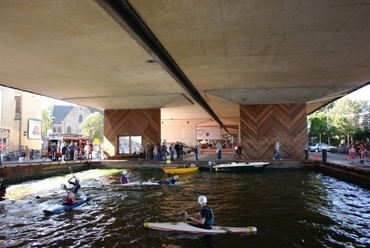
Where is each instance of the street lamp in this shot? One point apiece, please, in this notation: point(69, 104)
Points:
point(327, 123)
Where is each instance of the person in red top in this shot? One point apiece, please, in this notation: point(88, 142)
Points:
point(70, 198)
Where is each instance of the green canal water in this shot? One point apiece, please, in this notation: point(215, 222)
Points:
point(289, 209)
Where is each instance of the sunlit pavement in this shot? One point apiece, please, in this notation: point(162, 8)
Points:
point(341, 159)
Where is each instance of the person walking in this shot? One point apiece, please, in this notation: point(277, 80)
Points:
point(306, 148)
point(219, 150)
point(277, 151)
point(196, 152)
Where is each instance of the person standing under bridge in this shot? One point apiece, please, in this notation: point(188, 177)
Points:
point(277, 151)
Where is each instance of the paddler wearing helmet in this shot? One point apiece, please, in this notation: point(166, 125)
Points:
point(70, 198)
point(124, 177)
point(206, 216)
point(76, 184)
point(170, 180)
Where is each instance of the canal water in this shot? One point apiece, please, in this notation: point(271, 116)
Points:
point(289, 209)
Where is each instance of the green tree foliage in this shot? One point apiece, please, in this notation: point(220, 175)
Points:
point(362, 136)
point(47, 121)
point(92, 126)
point(336, 120)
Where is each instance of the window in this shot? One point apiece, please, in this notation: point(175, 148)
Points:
point(80, 118)
point(129, 144)
point(69, 130)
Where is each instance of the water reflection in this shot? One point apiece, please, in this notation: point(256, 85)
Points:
point(299, 208)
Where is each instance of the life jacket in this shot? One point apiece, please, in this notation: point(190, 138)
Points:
point(171, 180)
point(76, 188)
point(124, 179)
point(68, 199)
point(209, 221)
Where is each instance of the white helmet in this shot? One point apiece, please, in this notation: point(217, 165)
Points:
point(176, 177)
point(70, 186)
point(202, 199)
point(124, 172)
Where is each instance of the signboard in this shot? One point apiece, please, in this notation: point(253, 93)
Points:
point(34, 129)
point(209, 133)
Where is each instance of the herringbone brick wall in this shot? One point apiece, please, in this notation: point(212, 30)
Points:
point(135, 122)
point(262, 125)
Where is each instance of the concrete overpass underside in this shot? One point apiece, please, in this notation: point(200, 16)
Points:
point(261, 66)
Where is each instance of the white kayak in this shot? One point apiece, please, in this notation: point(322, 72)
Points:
point(156, 183)
point(125, 184)
point(186, 228)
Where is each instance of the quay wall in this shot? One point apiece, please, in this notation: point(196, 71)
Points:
point(16, 173)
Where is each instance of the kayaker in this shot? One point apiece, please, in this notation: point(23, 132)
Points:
point(76, 184)
point(206, 216)
point(70, 198)
point(2, 189)
point(124, 177)
point(170, 181)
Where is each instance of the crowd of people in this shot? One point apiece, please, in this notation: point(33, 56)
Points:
point(71, 151)
point(160, 151)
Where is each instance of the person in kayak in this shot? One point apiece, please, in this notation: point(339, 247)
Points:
point(124, 177)
point(2, 189)
point(170, 181)
point(206, 216)
point(76, 184)
point(70, 198)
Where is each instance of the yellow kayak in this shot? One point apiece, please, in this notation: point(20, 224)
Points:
point(178, 170)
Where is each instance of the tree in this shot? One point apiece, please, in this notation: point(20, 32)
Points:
point(47, 121)
point(336, 120)
point(92, 126)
